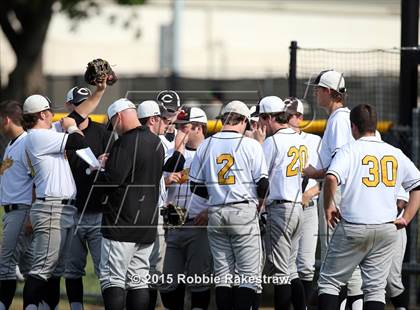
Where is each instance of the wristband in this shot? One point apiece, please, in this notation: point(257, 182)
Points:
point(72, 129)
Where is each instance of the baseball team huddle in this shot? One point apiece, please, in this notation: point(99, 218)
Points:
point(157, 201)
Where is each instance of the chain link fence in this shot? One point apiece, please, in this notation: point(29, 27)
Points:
point(371, 76)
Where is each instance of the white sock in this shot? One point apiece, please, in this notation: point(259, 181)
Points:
point(401, 308)
point(31, 307)
point(343, 304)
point(76, 306)
point(2, 306)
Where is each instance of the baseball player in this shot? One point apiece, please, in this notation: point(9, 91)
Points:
point(16, 199)
point(230, 170)
point(330, 93)
point(394, 286)
point(370, 173)
point(89, 215)
point(187, 249)
point(284, 151)
point(131, 179)
point(52, 213)
point(310, 189)
point(156, 118)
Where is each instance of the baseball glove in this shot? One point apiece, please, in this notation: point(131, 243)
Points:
point(97, 70)
point(173, 216)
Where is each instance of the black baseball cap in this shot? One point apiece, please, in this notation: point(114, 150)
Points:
point(77, 95)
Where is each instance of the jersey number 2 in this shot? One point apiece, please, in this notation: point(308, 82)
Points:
point(389, 179)
point(300, 155)
point(221, 175)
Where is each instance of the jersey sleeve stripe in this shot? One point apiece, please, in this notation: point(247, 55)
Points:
point(334, 173)
point(410, 185)
point(63, 143)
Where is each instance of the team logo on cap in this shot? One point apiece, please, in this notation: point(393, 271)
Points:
point(83, 91)
point(169, 99)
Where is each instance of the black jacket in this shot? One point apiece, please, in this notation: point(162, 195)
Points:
point(132, 178)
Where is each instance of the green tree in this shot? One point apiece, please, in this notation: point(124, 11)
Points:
point(25, 24)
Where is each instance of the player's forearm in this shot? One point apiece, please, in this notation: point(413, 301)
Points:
point(90, 104)
point(413, 206)
point(313, 191)
point(330, 188)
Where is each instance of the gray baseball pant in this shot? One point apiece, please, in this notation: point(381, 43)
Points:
point(369, 246)
point(15, 245)
point(354, 284)
point(53, 225)
point(394, 285)
point(307, 244)
point(124, 264)
point(284, 229)
point(235, 244)
point(187, 252)
point(87, 235)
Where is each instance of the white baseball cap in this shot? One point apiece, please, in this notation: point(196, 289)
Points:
point(271, 104)
point(191, 115)
point(331, 79)
point(118, 106)
point(148, 108)
point(254, 113)
point(293, 105)
point(237, 107)
point(35, 104)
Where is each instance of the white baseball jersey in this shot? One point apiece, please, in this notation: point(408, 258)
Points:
point(371, 172)
point(403, 194)
point(180, 194)
point(284, 152)
point(53, 176)
point(337, 133)
point(230, 165)
point(168, 148)
point(16, 181)
point(312, 142)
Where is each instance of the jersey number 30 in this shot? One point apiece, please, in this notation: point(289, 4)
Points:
point(221, 175)
point(388, 176)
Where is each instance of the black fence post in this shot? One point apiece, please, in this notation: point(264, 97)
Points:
point(409, 61)
point(292, 69)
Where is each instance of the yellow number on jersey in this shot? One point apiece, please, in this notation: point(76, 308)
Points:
point(373, 171)
point(373, 179)
point(300, 154)
point(389, 181)
point(222, 179)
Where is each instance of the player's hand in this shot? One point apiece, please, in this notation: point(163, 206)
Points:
point(401, 223)
point(103, 159)
point(174, 177)
point(67, 122)
point(181, 139)
point(309, 171)
point(305, 199)
point(260, 133)
point(101, 84)
point(333, 216)
point(202, 218)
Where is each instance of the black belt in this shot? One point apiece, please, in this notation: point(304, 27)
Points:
point(238, 202)
point(282, 201)
point(63, 202)
point(8, 208)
